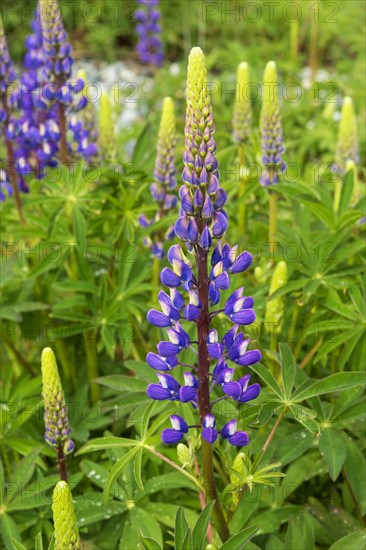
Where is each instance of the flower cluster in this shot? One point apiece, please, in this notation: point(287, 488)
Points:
point(149, 45)
point(347, 145)
point(64, 519)
point(194, 289)
point(55, 416)
point(272, 142)
point(35, 113)
point(164, 177)
point(7, 76)
point(243, 116)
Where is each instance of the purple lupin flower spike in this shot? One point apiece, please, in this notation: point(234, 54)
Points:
point(149, 46)
point(7, 124)
point(194, 289)
point(58, 63)
point(202, 220)
point(164, 178)
point(272, 142)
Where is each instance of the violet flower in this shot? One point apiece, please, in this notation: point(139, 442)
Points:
point(194, 288)
point(149, 46)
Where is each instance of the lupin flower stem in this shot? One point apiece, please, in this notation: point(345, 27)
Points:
point(272, 221)
point(204, 404)
point(64, 155)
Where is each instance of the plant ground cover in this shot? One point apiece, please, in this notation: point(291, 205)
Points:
point(122, 198)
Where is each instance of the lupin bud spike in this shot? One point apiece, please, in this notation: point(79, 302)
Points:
point(242, 118)
point(275, 308)
point(107, 137)
point(55, 417)
point(347, 145)
point(64, 519)
point(272, 142)
point(164, 177)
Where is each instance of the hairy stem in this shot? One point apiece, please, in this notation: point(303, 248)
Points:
point(204, 404)
point(272, 221)
point(61, 463)
point(172, 464)
point(242, 189)
point(63, 139)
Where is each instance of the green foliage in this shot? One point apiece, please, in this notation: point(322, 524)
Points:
point(76, 277)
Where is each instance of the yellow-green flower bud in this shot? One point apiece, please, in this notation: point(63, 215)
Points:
point(107, 138)
point(64, 519)
point(242, 119)
point(347, 145)
point(184, 454)
point(275, 308)
point(55, 416)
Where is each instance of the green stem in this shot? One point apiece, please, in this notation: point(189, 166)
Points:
point(272, 221)
point(294, 40)
point(242, 190)
point(173, 465)
point(90, 347)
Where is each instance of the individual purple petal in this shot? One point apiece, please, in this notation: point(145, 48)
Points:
point(169, 278)
point(191, 312)
point(187, 393)
point(222, 281)
point(177, 299)
point(167, 349)
point(206, 239)
point(229, 429)
point(249, 358)
point(239, 439)
point(233, 389)
point(178, 423)
point(220, 224)
point(157, 362)
point(170, 436)
point(156, 391)
point(243, 317)
point(250, 393)
point(209, 434)
point(242, 262)
point(181, 228)
point(158, 319)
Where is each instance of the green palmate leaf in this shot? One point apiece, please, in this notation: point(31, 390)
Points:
point(22, 473)
point(288, 369)
point(293, 446)
point(333, 383)
point(346, 194)
point(200, 529)
point(137, 468)
point(38, 543)
point(332, 447)
point(354, 541)
point(121, 382)
point(16, 545)
point(139, 519)
point(146, 418)
point(267, 377)
point(355, 470)
point(103, 443)
point(9, 530)
point(117, 470)
point(167, 481)
point(274, 543)
point(89, 509)
point(300, 532)
point(237, 542)
point(181, 528)
point(148, 543)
